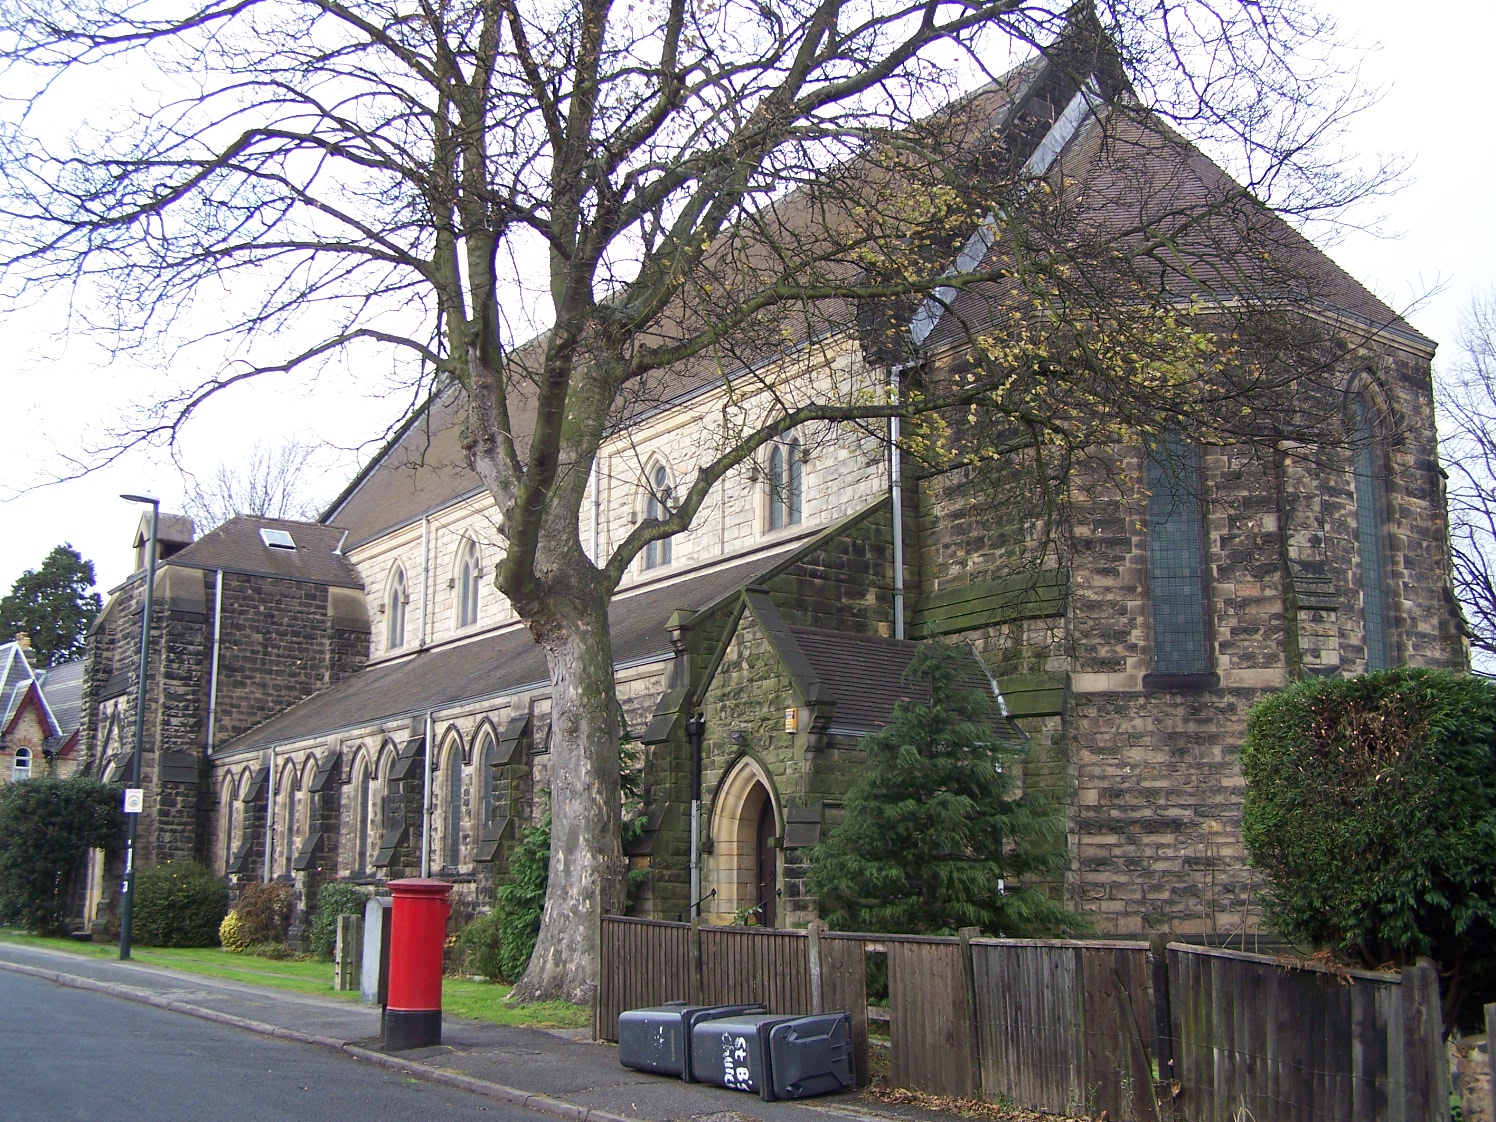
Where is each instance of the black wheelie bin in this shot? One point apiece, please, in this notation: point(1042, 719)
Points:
point(779, 1057)
point(658, 1039)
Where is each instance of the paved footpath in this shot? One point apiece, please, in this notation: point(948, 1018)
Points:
point(560, 1073)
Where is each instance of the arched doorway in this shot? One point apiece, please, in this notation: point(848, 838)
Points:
point(744, 866)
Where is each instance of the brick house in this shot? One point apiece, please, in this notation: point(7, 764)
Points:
point(40, 715)
point(352, 699)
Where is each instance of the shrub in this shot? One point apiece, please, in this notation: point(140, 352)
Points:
point(522, 900)
point(334, 899)
point(482, 945)
point(935, 835)
point(231, 934)
point(265, 912)
point(1371, 808)
point(47, 827)
point(178, 904)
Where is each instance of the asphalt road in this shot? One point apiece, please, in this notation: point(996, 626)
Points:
point(70, 1055)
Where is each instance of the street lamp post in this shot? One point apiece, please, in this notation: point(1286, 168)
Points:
point(127, 889)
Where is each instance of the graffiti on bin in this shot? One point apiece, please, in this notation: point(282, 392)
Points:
point(735, 1071)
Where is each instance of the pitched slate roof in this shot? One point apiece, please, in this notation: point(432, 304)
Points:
point(58, 691)
point(62, 686)
point(424, 466)
point(1122, 177)
point(497, 664)
point(16, 680)
point(860, 678)
point(237, 547)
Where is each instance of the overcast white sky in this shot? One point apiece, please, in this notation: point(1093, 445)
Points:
point(1432, 64)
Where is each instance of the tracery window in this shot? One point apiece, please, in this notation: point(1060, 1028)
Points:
point(1176, 559)
point(1369, 475)
point(657, 506)
point(786, 475)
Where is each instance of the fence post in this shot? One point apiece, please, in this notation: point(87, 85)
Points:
point(1426, 1066)
point(813, 962)
point(693, 939)
point(973, 1025)
point(348, 952)
point(1163, 1031)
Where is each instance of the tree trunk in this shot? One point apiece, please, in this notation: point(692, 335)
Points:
point(586, 870)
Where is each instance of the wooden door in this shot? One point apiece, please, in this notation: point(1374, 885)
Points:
point(765, 864)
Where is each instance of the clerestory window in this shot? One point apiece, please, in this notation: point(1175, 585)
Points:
point(657, 506)
point(395, 601)
point(786, 483)
point(469, 585)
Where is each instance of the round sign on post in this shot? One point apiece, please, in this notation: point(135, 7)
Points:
point(134, 800)
point(418, 937)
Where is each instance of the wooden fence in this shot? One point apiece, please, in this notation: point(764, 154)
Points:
point(1300, 1043)
point(1142, 1032)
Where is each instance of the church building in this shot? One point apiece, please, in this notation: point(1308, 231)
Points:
point(352, 699)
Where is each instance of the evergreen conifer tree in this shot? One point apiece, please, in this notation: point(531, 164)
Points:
point(935, 836)
point(54, 605)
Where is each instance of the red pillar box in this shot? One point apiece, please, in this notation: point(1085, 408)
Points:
point(418, 933)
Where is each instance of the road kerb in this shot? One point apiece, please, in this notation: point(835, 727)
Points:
point(528, 1099)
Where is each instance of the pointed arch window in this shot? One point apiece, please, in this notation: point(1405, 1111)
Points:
point(786, 480)
point(20, 767)
point(469, 584)
point(1176, 559)
point(288, 854)
point(1371, 538)
point(490, 793)
point(657, 506)
point(396, 598)
point(452, 820)
point(364, 809)
point(228, 801)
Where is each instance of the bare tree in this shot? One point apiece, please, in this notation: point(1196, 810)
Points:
point(1467, 401)
point(272, 481)
point(705, 190)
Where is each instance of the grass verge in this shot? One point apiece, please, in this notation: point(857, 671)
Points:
point(477, 1000)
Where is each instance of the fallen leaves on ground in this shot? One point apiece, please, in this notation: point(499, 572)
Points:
point(964, 1108)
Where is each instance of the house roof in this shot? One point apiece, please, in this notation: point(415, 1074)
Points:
point(238, 547)
point(497, 664)
point(56, 691)
point(62, 686)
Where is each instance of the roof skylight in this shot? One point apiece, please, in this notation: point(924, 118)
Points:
point(277, 539)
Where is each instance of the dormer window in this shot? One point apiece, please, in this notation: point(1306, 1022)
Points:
point(20, 767)
point(277, 539)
